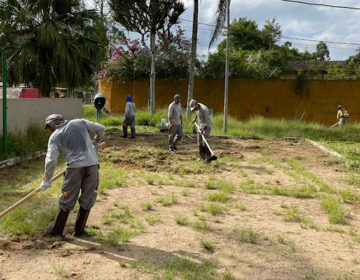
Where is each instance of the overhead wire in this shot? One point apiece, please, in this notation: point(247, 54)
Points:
point(321, 4)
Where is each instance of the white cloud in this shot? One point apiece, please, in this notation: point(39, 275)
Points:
point(296, 21)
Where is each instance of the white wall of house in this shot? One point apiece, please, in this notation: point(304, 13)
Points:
point(22, 113)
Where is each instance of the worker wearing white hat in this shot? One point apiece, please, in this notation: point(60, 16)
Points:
point(203, 114)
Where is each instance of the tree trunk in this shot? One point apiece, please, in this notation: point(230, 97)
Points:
point(152, 73)
point(226, 93)
point(193, 56)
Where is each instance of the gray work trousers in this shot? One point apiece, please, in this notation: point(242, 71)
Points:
point(206, 134)
point(84, 179)
point(175, 135)
point(129, 121)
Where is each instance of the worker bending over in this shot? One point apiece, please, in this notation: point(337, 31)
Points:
point(129, 120)
point(82, 174)
point(175, 123)
point(342, 115)
point(203, 114)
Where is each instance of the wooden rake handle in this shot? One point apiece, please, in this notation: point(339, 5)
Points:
point(204, 139)
point(29, 196)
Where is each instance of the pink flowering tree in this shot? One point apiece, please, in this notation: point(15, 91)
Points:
point(132, 60)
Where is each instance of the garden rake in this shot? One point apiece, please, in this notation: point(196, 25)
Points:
point(29, 196)
point(36, 191)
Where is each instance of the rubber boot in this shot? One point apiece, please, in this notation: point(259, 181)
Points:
point(124, 131)
point(80, 222)
point(201, 153)
point(60, 221)
point(133, 133)
point(207, 155)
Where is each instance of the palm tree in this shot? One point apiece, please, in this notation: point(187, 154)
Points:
point(223, 12)
point(193, 55)
point(50, 43)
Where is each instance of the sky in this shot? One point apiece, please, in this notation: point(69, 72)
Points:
point(301, 21)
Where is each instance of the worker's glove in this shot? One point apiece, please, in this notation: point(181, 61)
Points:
point(45, 184)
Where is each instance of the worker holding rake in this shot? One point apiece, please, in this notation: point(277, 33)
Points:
point(203, 114)
point(82, 173)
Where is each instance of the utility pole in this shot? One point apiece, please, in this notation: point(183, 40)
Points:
point(4, 77)
point(226, 93)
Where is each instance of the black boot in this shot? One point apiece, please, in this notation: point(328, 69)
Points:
point(80, 221)
point(207, 154)
point(124, 131)
point(60, 221)
point(133, 133)
point(201, 153)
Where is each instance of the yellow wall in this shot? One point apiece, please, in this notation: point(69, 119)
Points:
point(268, 98)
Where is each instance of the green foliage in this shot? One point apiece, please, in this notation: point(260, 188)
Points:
point(212, 208)
point(182, 220)
point(168, 200)
point(186, 269)
point(207, 245)
point(322, 51)
point(153, 219)
point(147, 206)
point(62, 49)
point(26, 220)
point(201, 226)
point(335, 209)
point(254, 53)
point(218, 196)
point(247, 235)
point(292, 215)
point(34, 140)
point(246, 35)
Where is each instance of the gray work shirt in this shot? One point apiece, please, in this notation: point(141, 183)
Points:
point(174, 113)
point(130, 109)
point(73, 140)
point(204, 116)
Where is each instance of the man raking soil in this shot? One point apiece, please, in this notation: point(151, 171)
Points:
point(82, 173)
point(204, 130)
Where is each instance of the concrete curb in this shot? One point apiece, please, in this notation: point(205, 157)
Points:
point(16, 160)
point(326, 150)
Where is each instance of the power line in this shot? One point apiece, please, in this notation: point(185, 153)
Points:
point(322, 5)
point(288, 37)
point(314, 40)
point(313, 46)
point(201, 23)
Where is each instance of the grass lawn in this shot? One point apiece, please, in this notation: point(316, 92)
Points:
point(265, 209)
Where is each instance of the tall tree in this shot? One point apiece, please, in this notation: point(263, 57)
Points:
point(108, 29)
point(245, 34)
point(193, 56)
point(271, 33)
point(322, 51)
point(50, 42)
point(148, 17)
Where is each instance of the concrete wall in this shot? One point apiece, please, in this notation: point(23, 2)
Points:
point(268, 98)
point(24, 112)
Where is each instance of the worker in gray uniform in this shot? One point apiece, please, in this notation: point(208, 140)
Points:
point(82, 174)
point(129, 120)
point(203, 114)
point(175, 123)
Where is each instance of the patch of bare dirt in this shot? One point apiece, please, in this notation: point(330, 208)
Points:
point(280, 249)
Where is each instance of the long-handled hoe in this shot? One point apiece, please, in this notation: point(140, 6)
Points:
point(36, 191)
